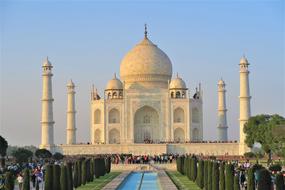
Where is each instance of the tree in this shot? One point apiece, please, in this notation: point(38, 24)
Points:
point(236, 183)
point(229, 176)
point(206, 174)
point(108, 164)
point(26, 183)
point(43, 153)
point(83, 173)
point(9, 181)
point(264, 182)
point(56, 177)
point(75, 176)
point(222, 176)
point(210, 167)
point(3, 150)
point(57, 156)
point(261, 129)
point(215, 176)
point(22, 155)
point(200, 175)
point(193, 168)
point(69, 176)
point(279, 182)
point(48, 177)
point(63, 178)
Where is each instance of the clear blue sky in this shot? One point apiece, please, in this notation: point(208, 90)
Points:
point(86, 40)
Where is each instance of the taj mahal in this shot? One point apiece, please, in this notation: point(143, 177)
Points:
point(146, 110)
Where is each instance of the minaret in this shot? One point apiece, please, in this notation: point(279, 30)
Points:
point(47, 108)
point(244, 99)
point(222, 112)
point(71, 122)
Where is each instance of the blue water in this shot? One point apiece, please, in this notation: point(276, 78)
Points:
point(140, 181)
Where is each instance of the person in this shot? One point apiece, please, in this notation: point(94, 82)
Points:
point(20, 180)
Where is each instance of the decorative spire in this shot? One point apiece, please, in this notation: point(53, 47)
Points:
point(145, 31)
point(115, 76)
point(177, 76)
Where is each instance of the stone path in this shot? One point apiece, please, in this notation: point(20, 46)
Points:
point(116, 181)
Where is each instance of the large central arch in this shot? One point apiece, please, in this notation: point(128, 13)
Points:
point(146, 125)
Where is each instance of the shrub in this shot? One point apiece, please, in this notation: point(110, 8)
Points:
point(26, 183)
point(206, 175)
point(236, 183)
point(9, 181)
point(279, 182)
point(69, 176)
point(83, 173)
point(229, 177)
point(249, 155)
point(57, 156)
point(275, 167)
point(215, 176)
point(250, 179)
point(56, 177)
point(210, 167)
point(222, 176)
point(48, 177)
point(63, 178)
point(264, 182)
point(200, 175)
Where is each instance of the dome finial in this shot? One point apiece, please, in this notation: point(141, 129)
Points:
point(145, 30)
point(115, 76)
point(177, 76)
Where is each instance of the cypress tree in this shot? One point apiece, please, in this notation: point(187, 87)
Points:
point(182, 165)
point(83, 172)
point(63, 178)
point(26, 183)
point(91, 169)
point(206, 174)
point(229, 177)
point(209, 173)
point(250, 179)
point(48, 177)
point(185, 166)
point(279, 182)
point(236, 183)
point(9, 181)
point(69, 176)
point(222, 176)
point(79, 173)
point(108, 164)
point(264, 182)
point(215, 176)
point(194, 168)
point(75, 176)
point(200, 175)
point(56, 177)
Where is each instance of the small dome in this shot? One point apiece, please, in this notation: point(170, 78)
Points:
point(70, 84)
point(114, 84)
point(243, 60)
point(221, 82)
point(177, 83)
point(47, 63)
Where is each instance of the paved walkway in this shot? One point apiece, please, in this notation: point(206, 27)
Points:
point(117, 181)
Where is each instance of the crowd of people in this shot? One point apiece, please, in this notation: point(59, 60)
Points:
point(143, 159)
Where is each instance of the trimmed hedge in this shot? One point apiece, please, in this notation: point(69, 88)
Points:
point(209, 173)
point(215, 176)
point(229, 176)
point(26, 183)
point(264, 182)
point(48, 177)
point(63, 178)
point(200, 175)
point(222, 176)
point(9, 181)
point(56, 177)
point(236, 183)
point(279, 182)
point(69, 176)
point(206, 174)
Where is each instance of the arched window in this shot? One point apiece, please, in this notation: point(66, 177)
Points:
point(179, 135)
point(146, 119)
point(178, 115)
point(183, 94)
point(114, 136)
point(114, 116)
point(195, 115)
point(109, 95)
point(120, 94)
point(178, 95)
point(97, 136)
point(172, 94)
point(97, 116)
point(114, 94)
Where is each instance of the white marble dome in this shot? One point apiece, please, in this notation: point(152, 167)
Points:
point(114, 84)
point(146, 63)
point(177, 83)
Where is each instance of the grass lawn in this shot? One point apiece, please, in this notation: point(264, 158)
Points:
point(181, 181)
point(100, 182)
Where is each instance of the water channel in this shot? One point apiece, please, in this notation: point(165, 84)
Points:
point(140, 181)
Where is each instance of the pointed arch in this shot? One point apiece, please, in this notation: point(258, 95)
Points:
point(114, 136)
point(97, 136)
point(114, 116)
point(195, 134)
point(195, 115)
point(97, 116)
point(178, 115)
point(179, 135)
